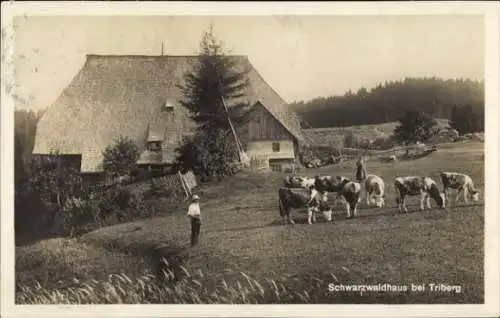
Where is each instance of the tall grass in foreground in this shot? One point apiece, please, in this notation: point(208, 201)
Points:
point(233, 289)
point(147, 289)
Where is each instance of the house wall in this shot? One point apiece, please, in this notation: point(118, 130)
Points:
point(263, 126)
point(264, 149)
point(262, 131)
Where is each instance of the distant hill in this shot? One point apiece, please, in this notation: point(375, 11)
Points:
point(387, 102)
point(334, 136)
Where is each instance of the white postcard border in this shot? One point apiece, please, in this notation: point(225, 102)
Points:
point(490, 10)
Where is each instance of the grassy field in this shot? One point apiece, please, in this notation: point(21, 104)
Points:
point(241, 233)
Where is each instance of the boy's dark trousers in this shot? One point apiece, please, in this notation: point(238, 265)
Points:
point(195, 230)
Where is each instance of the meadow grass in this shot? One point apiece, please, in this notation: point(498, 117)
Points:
point(242, 233)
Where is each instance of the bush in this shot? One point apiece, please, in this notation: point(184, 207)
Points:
point(212, 155)
point(350, 141)
point(415, 126)
point(120, 157)
point(383, 143)
point(77, 217)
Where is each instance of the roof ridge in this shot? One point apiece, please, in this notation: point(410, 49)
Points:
point(286, 109)
point(155, 55)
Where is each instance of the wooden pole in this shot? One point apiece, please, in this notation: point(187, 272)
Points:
point(181, 180)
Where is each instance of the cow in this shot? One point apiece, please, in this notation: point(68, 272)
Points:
point(374, 190)
point(417, 185)
point(351, 193)
point(460, 182)
point(299, 198)
point(389, 159)
point(298, 182)
point(325, 184)
point(292, 182)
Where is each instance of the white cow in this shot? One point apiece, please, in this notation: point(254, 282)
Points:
point(351, 193)
point(374, 190)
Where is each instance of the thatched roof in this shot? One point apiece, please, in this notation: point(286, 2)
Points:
point(116, 95)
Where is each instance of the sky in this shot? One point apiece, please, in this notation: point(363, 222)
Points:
point(301, 57)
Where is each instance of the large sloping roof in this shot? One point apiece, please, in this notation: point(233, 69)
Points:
point(116, 95)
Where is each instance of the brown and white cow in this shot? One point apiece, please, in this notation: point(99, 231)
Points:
point(325, 184)
point(374, 190)
point(298, 182)
point(460, 182)
point(351, 193)
point(302, 198)
point(417, 185)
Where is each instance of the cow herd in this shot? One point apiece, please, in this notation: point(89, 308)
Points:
point(312, 193)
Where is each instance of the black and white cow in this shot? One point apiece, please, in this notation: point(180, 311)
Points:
point(374, 190)
point(460, 182)
point(302, 198)
point(417, 185)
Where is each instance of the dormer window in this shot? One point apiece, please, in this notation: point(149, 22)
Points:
point(154, 145)
point(168, 108)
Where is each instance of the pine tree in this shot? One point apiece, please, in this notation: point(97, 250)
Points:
point(213, 94)
point(216, 79)
point(465, 120)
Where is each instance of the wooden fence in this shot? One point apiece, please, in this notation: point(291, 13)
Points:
point(178, 185)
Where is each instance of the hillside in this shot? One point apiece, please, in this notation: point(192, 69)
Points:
point(387, 102)
point(334, 136)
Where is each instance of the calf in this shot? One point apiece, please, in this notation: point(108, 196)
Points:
point(460, 182)
point(297, 198)
point(374, 190)
point(417, 185)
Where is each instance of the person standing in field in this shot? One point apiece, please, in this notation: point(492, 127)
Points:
point(194, 215)
point(360, 169)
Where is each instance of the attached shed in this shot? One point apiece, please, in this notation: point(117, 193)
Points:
point(270, 142)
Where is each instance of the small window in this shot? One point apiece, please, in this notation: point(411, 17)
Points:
point(276, 147)
point(168, 107)
point(171, 138)
point(154, 145)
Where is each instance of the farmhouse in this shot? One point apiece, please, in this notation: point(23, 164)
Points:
point(139, 97)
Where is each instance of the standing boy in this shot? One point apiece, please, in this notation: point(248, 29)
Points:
point(194, 215)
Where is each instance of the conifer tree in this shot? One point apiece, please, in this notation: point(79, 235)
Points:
point(217, 79)
point(213, 94)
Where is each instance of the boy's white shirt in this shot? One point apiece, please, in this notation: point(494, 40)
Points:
point(194, 209)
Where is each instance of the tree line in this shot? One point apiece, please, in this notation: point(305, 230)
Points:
point(388, 102)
